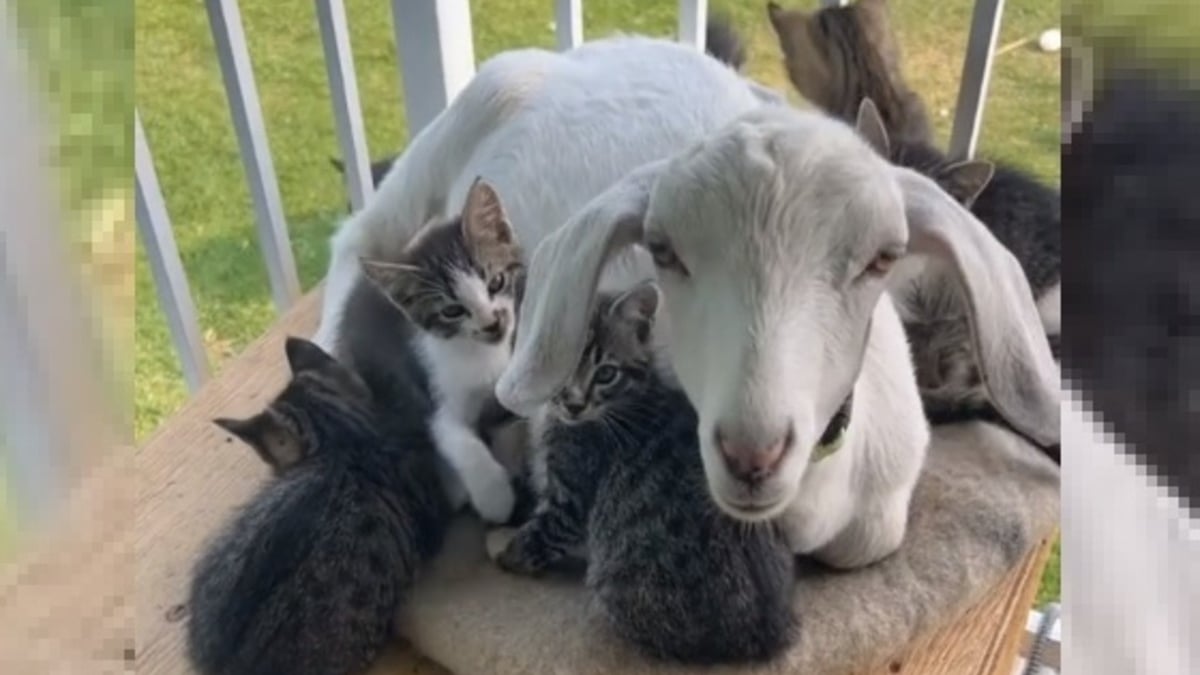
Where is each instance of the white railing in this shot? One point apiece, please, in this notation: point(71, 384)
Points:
point(436, 59)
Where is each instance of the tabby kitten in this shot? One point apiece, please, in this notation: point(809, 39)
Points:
point(308, 578)
point(458, 283)
point(621, 479)
point(839, 57)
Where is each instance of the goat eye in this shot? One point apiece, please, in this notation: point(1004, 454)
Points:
point(882, 263)
point(605, 374)
point(454, 311)
point(664, 256)
point(496, 284)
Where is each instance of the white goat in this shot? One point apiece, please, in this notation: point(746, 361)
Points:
point(549, 131)
point(772, 237)
point(773, 241)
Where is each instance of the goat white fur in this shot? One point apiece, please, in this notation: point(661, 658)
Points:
point(774, 214)
point(549, 131)
point(766, 235)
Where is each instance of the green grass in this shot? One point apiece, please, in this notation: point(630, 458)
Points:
point(183, 108)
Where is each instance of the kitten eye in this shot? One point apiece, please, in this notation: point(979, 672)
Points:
point(882, 263)
point(605, 374)
point(496, 284)
point(454, 311)
point(664, 256)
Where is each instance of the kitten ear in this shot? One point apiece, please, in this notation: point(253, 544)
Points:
point(780, 17)
point(303, 355)
point(274, 442)
point(790, 25)
point(966, 180)
point(392, 279)
point(638, 306)
point(870, 127)
point(485, 225)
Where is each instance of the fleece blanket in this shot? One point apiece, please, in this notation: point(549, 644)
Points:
point(984, 500)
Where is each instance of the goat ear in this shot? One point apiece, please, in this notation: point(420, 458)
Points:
point(966, 180)
point(870, 127)
point(1010, 344)
point(560, 289)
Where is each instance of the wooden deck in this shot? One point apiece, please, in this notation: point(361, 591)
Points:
point(190, 477)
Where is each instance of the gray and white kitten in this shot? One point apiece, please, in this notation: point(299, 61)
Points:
point(622, 479)
point(308, 578)
point(459, 283)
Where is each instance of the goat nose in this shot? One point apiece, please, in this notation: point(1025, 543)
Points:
point(753, 462)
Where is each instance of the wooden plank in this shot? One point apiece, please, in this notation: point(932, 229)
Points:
point(67, 606)
point(190, 474)
point(170, 280)
point(986, 639)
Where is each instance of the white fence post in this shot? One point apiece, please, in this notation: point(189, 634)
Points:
point(568, 23)
point(437, 55)
point(976, 72)
point(343, 92)
point(230, 41)
point(170, 280)
point(693, 22)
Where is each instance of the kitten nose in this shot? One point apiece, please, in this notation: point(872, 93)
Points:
point(497, 324)
point(753, 462)
point(573, 408)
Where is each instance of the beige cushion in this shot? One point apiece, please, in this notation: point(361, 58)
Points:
point(984, 501)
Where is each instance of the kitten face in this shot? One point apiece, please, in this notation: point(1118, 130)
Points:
point(323, 400)
point(459, 279)
point(618, 358)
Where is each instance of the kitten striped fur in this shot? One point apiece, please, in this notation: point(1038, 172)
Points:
point(308, 578)
point(625, 485)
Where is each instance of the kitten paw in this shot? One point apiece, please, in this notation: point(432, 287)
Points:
point(497, 541)
point(495, 501)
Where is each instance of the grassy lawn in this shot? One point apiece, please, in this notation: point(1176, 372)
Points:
point(181, 100)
